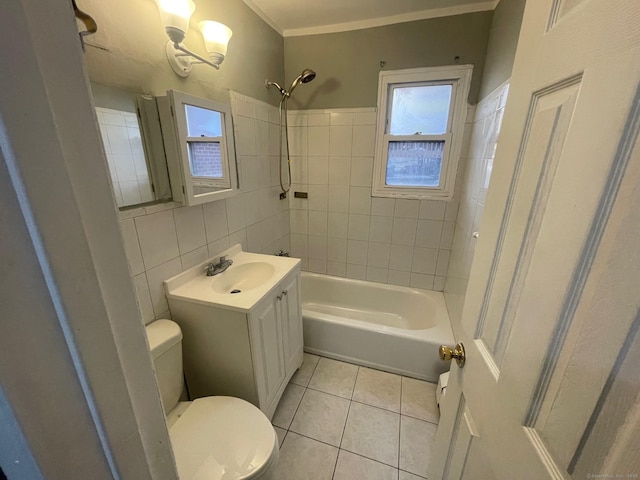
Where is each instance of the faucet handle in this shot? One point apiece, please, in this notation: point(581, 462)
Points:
point(223, 258)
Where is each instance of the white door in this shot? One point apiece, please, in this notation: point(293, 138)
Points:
point(551, 385)
point(292, 323)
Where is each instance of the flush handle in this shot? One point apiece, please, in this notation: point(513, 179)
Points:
point(447, 354)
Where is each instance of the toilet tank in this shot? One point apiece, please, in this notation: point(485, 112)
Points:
point(165, 343)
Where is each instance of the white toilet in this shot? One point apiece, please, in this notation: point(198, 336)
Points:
point(213, 438)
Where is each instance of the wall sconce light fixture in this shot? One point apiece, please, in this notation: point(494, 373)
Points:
point(175, 15)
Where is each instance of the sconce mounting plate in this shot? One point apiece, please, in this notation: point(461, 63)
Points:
point(180, 63)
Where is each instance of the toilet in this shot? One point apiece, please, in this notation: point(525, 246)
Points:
point(216, 437)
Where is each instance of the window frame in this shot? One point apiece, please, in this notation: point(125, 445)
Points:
point(459, 77)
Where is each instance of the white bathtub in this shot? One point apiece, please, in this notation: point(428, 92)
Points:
point(397, 329)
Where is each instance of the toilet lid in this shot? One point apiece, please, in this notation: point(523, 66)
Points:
point(222, 438)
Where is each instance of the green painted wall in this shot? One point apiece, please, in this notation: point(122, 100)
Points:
point(347, 63)
point(132, 43)
point(503, 40)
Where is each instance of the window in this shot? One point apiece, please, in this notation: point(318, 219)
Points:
point(421, 114)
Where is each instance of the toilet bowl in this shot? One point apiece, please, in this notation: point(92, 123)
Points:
point(213, 438)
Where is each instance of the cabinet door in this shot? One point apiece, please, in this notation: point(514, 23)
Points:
point(266, 341)
point(292, 323)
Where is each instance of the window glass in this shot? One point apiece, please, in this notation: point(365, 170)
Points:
point(205, 159)
point(422, 110)
point(414, 164)
point(202, 122)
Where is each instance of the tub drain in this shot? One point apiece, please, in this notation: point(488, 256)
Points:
point(236, 291)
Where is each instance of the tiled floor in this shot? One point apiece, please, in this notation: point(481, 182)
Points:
point(344, 422)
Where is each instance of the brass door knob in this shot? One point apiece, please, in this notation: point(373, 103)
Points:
point(447, 354)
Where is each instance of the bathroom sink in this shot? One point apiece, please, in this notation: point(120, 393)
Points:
point(240, 278)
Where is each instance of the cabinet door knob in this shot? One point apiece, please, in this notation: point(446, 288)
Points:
point(279, 297)
point(285, 292)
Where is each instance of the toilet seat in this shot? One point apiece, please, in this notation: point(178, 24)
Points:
point(223, 438)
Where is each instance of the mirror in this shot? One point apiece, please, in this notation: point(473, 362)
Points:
point(177, 147)
point(201, 135)
point(132, 138)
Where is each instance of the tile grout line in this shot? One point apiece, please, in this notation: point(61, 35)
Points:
point(344, 427)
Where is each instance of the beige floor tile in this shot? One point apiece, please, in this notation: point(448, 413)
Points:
point(302, 458)
point(419, 400)
point(281, 432)
point(288, 405)
point(355, 467)
point(416, 443)
point(373, 433)
point(409, 476)
point(380, 389)
point(332, 376)
point(321, 416)
point(303, 374)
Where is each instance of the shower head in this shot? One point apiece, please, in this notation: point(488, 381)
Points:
point(305, 77)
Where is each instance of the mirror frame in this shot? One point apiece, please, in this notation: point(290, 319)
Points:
point(182, 184)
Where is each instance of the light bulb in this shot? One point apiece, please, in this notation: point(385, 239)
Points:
point(216, 38)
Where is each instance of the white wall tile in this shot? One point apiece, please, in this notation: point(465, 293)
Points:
point(359, 272)
point(144, 298)
point(404, 231)
point(318, 141)
point(317, 265)
point(299, 221)
point(155, 277)
point(406, 208)
point(443, 262)
point(317, 247)
point(319, 170)
point(158, 239)
point(338, 198)
point(215, 220)
point(314, 119)
point(245, 129)
point(318, 223)
point(429, 233)
point(365, 118)
point(396, 277)
point(383, 206)
point(318, 197)
point(340, 141)
point(299, 171)
point(338, 224)
point(360, 200)
point(361, 171)
point(432, 209)
point(364, 137)
point(357, 252)
point(339, 170)
point(419, 280)
point(358, 227)
point(380, 229)
point(337, 249)
point(189, 228)
point(375, 274)
point(401, 257)
point(216, 248)
point(378, 255)
point(299, 245)
point(236, 213)
point(338, 269)
point(448, 230)
point(131, 246)
point(424, 260)
point(341, 118)
point(194, 257)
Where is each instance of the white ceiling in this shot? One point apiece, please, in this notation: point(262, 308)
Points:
point(308, 17)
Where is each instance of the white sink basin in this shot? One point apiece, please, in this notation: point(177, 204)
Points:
point(240, 287)
point(240, 278)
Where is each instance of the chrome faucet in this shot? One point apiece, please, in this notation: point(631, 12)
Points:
point(214, 269)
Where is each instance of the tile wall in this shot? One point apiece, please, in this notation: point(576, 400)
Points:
point(340, 229)
point(125, 156)
point(163, 240)
point(474, 175)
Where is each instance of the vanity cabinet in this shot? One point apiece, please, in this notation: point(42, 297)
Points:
point(251, 354)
